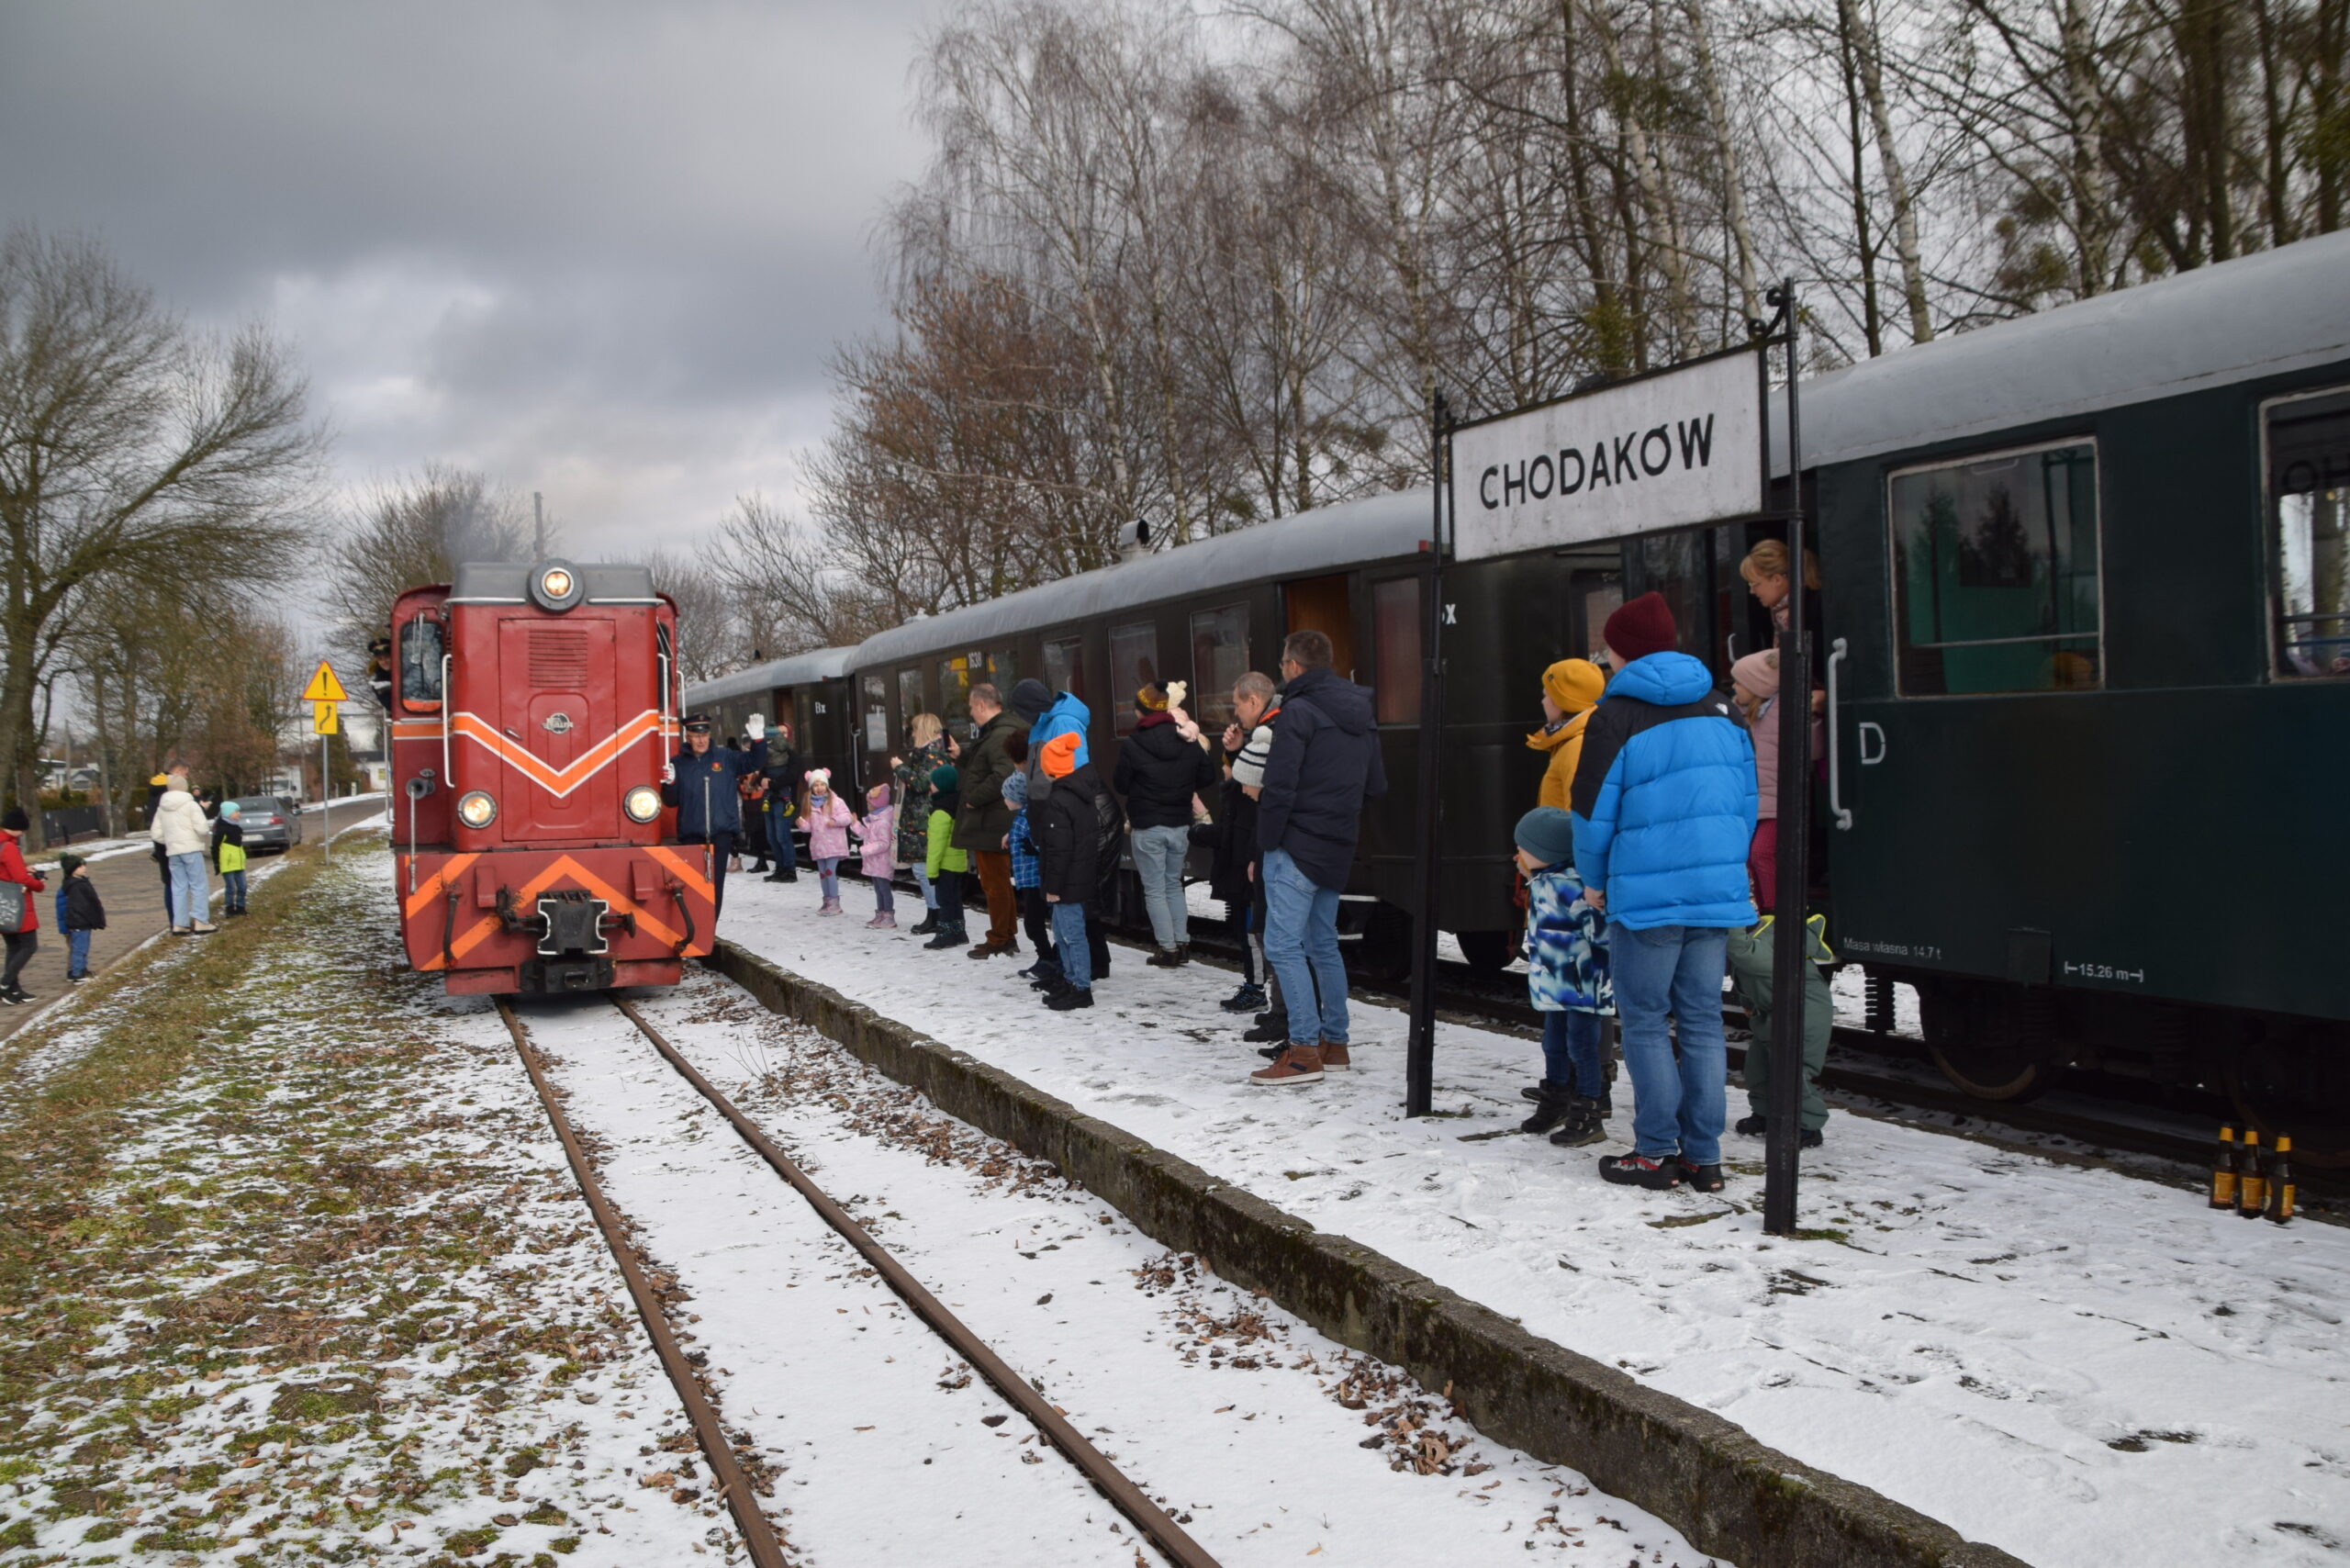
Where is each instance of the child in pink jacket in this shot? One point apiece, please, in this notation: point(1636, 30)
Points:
point(827, 819)
point(879, 833)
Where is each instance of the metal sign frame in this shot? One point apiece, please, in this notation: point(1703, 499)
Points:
point(1789, 929)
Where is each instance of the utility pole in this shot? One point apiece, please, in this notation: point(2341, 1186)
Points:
point(538, 528)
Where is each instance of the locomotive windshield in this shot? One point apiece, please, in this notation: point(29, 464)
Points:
point(420, 650)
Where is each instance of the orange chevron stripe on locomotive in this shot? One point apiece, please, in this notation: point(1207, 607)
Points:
point(557, 782)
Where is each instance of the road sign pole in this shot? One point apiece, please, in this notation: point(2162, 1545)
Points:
point(326, 803)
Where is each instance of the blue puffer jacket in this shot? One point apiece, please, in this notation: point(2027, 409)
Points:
point(1066, 716)
point(1664, 799)
point(1324, 765)
point(1566, 959)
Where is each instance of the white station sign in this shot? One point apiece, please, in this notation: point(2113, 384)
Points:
point(1663, 452)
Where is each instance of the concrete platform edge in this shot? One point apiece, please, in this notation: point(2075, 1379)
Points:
point(1728, 1493)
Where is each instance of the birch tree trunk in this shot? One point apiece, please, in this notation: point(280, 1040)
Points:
point(1868, 54)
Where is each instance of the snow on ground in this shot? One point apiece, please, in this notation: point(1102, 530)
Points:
point(324, 1287)
point(2076, 1365)
point(1268, 1442)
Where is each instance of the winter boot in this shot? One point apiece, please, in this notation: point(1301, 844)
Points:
point(885, 921)
point(1069, 999)
point(1335, 1058)
point(1700, 1178)
point(1165, 959)
point(1249, 997)
point(1580, 1125)
point(1640, 1170)
point(946, 937)
point(928, 928)
point(757, 869)
point(1269, 1027)
point(1299, 1064)
point(831, 906)
point(1760, 1126)
point(777, 876)
point(1553, 1102)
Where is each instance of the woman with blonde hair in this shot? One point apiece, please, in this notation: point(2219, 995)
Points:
point(1765, 571)
point(912, 776)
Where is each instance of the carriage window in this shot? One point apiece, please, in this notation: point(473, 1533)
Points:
point(1065, 667)
point(909, 697)
point(1995, 574)
point(2308, 499)
point(1134, 664)
point(421, 649)
point(1395, 632)
point(877, 712)
point(954, 682)
point(1219, 659)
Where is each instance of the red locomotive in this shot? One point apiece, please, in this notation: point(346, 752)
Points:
point(532, 709)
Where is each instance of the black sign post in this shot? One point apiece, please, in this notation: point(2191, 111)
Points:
point(1782, 1150)
point(1419, 1051)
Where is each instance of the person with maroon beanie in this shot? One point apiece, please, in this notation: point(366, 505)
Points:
point(1663, 802)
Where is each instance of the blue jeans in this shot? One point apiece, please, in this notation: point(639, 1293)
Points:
point(191, 887)
point(232, 884)
point(780, 842)
point(828, 872)
point(1160, 853)
point(1676, 969)
point(1302, 945)
point(77, 953)
point(1069, 941)
point(929, 888)
point(1570, 1052)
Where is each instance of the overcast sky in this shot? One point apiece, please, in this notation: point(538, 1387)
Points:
point(596, 249)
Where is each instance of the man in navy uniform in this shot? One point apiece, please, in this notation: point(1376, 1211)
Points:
point(702, 782)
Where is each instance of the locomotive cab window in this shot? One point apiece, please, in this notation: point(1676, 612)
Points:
point(419, 664)
point(2308, 442)
point(1995, 573)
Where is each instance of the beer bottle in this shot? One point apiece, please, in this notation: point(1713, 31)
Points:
point(2252, 1187)
point(2223, 1171)
point(2280, 1181)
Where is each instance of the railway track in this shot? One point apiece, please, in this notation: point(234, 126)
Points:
point(760, 1535)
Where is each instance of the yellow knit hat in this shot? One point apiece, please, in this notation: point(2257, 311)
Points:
point(1574, 684)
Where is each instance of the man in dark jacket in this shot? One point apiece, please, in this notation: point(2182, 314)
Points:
point(1324, 764)
point(699, 781)
point(786, 770)
point(985, 820)
point(1068, 850)
point(1160, 766)
point(1663, 801)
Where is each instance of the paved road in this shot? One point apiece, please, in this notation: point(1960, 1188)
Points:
point(132, 886)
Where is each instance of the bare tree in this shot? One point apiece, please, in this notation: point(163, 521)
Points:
point(413, 530)
point(130, 449)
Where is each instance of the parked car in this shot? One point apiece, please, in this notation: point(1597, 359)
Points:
point(271, 821)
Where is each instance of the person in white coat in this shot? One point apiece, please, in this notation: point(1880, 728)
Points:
point(181, 828)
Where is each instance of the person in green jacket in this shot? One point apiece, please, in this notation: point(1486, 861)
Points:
point(228, 856)
point(944, 864)
point(1750, 965)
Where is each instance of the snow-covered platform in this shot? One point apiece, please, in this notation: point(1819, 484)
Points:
point(2074, 1365)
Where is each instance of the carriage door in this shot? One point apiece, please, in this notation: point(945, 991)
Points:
point(556, 717)
point(1324, 605)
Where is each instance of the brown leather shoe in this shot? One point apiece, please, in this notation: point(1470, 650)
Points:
point(991, 949)
point(1335, 1058)
point(1299, 1064)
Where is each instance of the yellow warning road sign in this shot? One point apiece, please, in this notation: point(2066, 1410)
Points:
point(324, 687)
point(323, 718)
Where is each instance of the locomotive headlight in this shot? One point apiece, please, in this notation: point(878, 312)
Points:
point(476, 809)
point(641, 803)
point(555, 583)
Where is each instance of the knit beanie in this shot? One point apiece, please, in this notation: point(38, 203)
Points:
point(1758, 673)
point(68, 863)
point(1641, 628)
point(945, 776)
point(14, 820)
point(1016, 791)
point(1548, 834)
point(1061, 755)
point(1574, 684)
point(1151, 698)
point(1030, 698)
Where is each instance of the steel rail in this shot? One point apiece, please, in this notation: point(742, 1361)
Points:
point(1123, 1494)
point(759, 1534)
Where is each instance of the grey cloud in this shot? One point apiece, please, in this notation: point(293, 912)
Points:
point(599, 246)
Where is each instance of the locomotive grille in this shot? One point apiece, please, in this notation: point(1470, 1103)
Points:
point(558, 659)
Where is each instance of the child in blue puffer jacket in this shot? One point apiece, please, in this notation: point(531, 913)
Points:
point(1566, 959)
